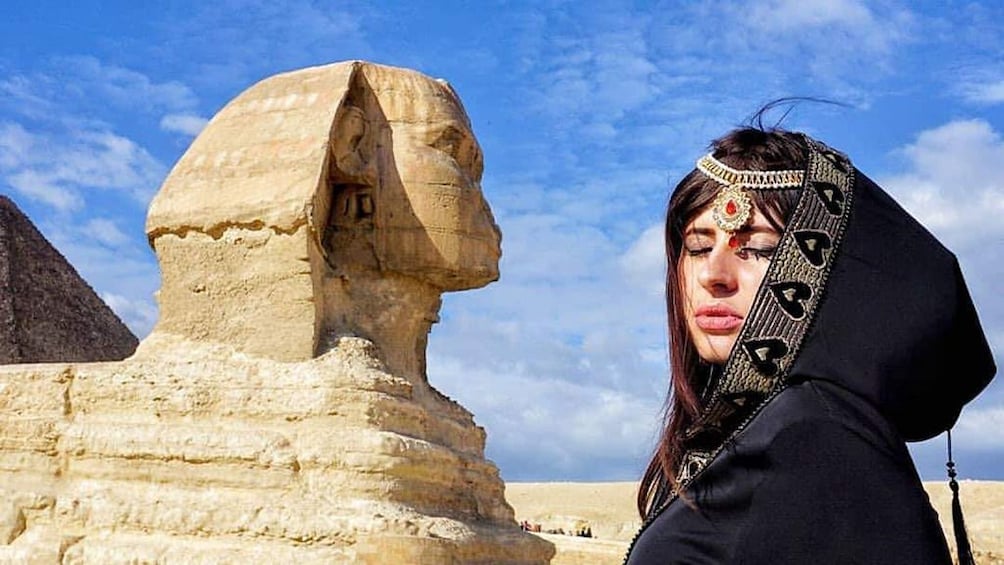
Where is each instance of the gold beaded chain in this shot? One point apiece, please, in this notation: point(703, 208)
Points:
point(732, 207)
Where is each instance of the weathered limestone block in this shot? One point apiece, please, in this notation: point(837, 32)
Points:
point(305, 454)
point(33, 410)
point(280, 411)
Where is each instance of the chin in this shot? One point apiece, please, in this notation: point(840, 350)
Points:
point(715, 349)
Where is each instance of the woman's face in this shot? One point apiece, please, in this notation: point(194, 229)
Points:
point(720, 274)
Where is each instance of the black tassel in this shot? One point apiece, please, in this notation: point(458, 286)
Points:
point(965, 551)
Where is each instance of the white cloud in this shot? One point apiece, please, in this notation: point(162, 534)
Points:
point(591, 81)
point(122, 87)
point(981, 429)
point(15, 144)
point(188, 124)
point(236, 42)
point(951, 183)
point(57, 150)
point(846, 28)
point(45, 188)
point(996, 340)
point(645, 261)
point(564, 360)
point(735, 54)
point(19, 94)
point(539, 246)
point(540, 427)
point(952, 186)
point(105, 231)
point(84, 89)
point(985, 92)
point(139, 314)
point(59, 167)
point(104, 159)
point(799, 14)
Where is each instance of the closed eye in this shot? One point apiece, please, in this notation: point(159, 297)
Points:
point(757, 252)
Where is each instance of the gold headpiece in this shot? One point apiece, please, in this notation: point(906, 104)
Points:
point(732, 207)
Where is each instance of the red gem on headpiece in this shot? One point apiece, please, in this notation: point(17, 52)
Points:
point(731, 208)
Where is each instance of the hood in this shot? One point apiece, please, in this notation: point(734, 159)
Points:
point(859, 294)
point(896, 324)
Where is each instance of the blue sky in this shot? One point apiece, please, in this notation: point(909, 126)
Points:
point(587, 112)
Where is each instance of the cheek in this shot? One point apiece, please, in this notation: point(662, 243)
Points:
point(688, 284)
point(751, 279)
point(758, 270)
point(683, 279)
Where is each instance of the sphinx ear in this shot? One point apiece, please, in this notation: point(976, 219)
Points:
point(353, 134)
point(352, 146)
point(352, 176)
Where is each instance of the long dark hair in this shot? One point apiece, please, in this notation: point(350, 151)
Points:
point(746, 148)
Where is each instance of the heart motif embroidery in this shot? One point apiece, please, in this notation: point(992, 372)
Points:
point(791, 296)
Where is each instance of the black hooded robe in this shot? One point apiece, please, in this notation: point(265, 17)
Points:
point(818, 473)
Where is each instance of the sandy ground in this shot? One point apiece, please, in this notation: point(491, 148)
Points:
point(608, 509)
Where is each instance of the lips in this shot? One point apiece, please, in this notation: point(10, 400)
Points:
point(717, 318)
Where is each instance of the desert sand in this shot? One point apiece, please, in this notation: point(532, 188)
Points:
point(608, 510)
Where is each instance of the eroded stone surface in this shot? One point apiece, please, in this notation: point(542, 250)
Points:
point(279, 411)
point(332, 457)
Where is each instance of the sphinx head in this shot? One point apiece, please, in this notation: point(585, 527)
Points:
point(335, 200)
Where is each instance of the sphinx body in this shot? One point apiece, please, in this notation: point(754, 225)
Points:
point(280, 409)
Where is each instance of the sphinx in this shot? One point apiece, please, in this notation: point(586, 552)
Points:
point(280, 409)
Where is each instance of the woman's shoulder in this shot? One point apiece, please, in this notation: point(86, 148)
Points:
point(815, 408)
point(837, 480)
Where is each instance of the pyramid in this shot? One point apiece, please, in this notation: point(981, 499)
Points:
point(48, 313)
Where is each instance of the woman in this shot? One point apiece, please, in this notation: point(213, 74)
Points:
point(814, 326)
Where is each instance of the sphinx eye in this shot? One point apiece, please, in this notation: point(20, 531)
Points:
point(460, 144)
point(449, 141)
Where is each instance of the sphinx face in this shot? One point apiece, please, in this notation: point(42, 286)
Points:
point(405, 184)
point(433, 222)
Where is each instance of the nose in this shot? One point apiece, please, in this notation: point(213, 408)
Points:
point(718, 274)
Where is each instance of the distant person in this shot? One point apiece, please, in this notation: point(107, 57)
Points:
point(813, 327)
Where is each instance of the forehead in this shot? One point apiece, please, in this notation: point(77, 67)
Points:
point(407, 97)
point(704, 222)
